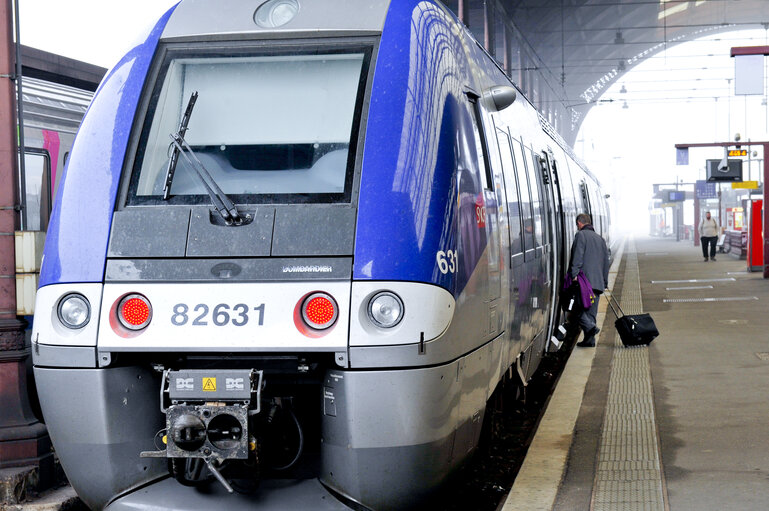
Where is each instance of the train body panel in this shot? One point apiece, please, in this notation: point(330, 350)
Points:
point(78, 233)
point(400, 223)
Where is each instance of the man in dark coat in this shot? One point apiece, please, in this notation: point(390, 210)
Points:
point(590, 255)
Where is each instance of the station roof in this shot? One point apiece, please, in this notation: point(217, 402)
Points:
point(60, 70)
point(586, 45)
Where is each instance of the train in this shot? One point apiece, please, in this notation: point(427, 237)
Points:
point(52, 116)
point(297, 248)
point(53, 112)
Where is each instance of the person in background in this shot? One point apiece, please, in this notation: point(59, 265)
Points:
point(589, 255)
point(708, 235)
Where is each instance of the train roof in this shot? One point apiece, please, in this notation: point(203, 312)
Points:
point(52, 106)
point(230, 18)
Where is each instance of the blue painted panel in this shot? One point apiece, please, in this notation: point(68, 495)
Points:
point(76, 243)
point(420, 176)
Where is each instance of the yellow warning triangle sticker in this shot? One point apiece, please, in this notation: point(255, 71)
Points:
point(209, 384)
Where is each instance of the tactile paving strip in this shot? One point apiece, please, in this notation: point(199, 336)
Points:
point(703, 300)
point(628, 472)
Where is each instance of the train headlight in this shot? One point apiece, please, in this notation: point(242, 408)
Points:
point(134, 311)
point(276, 13)
point(74, 311)
point(319, 311)
point(385, 309)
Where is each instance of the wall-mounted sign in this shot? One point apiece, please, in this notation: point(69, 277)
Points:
point(738, 152)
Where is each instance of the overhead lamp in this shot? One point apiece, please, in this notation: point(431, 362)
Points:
point(276, 13)
point(623, 90)
point(624, 104)
point(618, 39)
point(621, 65)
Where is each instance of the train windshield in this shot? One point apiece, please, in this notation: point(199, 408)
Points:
point(277, 128)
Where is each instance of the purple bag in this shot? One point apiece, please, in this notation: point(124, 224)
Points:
point(579, 293)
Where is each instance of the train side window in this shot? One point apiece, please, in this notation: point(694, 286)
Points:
point(529, 233)
point(511, 192)
point(537, 197)
point(532, 170)
point(598, 221)
point(585, 198)
point(37, 166)
point(480, 142)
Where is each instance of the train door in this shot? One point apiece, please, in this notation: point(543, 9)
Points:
point(517, 311)
point(486, 211)
point(528, 270)
point(554, 208)
point(543, 283)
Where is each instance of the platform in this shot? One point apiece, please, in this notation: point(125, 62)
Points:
point(680, 425)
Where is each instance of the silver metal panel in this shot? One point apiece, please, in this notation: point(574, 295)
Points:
point(207, 239)
point(47, 329)
point(397, 434)
point(223, 317)
point(195, 18)
point(389, 479)
point(99, 420)
point(314, 231)
point(149, 232)
point(52, 106)
point(63, 356)
point(273, 495)
point(228, 270)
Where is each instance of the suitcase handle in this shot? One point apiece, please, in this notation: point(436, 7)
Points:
point(611, 298)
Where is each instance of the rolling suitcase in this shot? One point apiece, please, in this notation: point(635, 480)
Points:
point(634, 329)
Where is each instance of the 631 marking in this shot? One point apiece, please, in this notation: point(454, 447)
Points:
point(448, 262)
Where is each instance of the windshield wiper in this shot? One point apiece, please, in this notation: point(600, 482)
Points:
point(174, 158)
point(222, 203)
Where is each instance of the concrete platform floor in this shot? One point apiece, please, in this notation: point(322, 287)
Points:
point(709, 378)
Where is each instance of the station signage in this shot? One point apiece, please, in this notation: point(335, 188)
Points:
point(705, 190)
point(730, 172)
point(675, 196)
point(738, 152)
point(746, 185)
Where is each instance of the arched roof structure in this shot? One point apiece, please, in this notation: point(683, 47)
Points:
point(564, 53)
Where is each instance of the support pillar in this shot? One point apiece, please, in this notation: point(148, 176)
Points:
point(766, 212)
point(696, 232)
point(23, 440)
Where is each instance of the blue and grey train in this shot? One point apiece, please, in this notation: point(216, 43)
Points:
point(297, 247)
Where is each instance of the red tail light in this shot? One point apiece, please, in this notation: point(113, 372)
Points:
point(319, 311)
point(134, 312)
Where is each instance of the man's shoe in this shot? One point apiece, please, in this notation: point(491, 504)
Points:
point(712, 258)
point(589, 340)
point(706, 259)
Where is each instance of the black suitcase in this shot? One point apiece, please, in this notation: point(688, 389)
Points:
point(634, 329)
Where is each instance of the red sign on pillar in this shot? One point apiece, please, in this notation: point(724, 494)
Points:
point(756, 236)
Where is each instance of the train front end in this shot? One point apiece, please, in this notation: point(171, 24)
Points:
point(198, 303)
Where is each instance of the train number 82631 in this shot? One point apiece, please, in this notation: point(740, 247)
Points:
point(220, 315)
